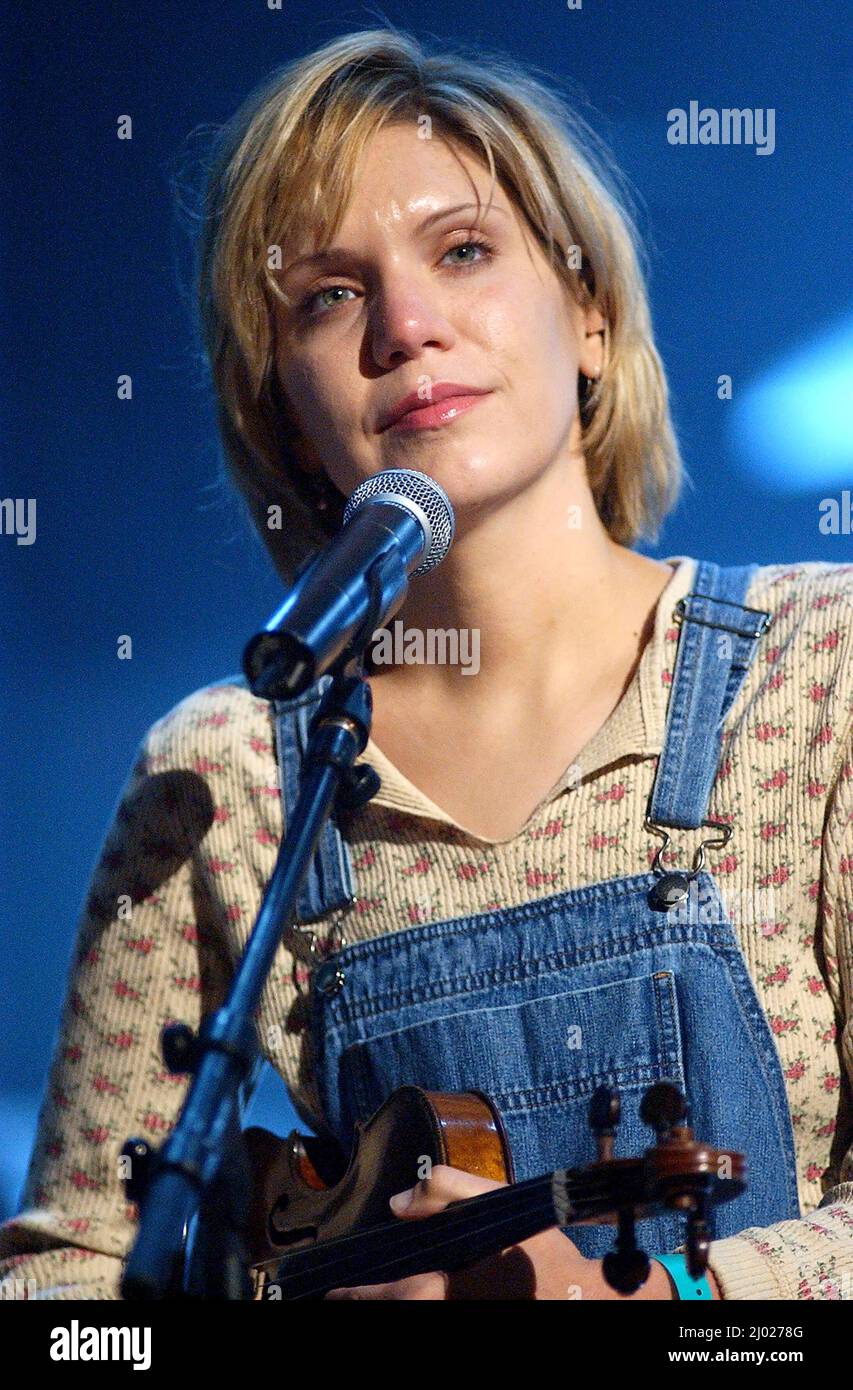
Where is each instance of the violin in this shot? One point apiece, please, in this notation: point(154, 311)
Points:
point(319, 1221)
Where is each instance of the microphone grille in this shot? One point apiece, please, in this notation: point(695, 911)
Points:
point(422, 497)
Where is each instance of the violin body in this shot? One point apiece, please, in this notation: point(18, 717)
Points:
point(305, 1191)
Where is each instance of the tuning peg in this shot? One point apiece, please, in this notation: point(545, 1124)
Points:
point(663, 1107)
point(698, 1238)
point(626, 1268)
point(604, 1111)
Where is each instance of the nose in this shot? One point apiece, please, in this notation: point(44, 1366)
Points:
point(406, 319)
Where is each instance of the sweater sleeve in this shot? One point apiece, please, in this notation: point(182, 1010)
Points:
point(812, 1258)
point(147, 952)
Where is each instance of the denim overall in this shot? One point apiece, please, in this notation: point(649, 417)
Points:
point(539, 1004)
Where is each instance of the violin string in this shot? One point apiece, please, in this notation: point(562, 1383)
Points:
point(457, 1223)
point(405, 1237)
point(387, 1266)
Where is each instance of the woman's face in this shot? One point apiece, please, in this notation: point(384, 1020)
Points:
point(399, 306)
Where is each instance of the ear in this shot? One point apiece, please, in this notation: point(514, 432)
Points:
point(593, 329)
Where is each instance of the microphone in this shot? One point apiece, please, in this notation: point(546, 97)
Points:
point(396, 525)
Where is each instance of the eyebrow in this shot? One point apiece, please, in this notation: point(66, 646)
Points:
point(321, 258)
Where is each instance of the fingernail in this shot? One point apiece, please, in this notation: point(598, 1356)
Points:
point(401, 1200)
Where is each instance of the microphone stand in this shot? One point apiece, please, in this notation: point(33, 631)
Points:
point(202, 1166)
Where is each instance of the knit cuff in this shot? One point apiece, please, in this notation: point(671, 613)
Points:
point(741, 1271)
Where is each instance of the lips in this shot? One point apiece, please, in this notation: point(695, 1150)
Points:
point(412, 406)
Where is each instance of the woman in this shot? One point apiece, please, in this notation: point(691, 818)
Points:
point(385, 230)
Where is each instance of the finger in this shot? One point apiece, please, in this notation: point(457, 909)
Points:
point(434, 1193)
point(418, 1287)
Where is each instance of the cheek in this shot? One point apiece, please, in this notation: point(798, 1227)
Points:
point(314, 387)
point(326, 396)
point(528, 338)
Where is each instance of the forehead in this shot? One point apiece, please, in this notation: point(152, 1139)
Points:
point(403, 181)
point(408, 164)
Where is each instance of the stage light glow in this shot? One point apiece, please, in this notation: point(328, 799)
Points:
point(792, 429)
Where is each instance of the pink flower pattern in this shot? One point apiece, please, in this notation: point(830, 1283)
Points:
point(194, 840)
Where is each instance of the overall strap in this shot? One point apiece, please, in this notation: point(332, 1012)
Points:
point(718, 640)
point(328, 885)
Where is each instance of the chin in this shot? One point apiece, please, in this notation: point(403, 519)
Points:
point(471, 504)
point(472, 478)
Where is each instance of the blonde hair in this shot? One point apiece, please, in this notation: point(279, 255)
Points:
point(284, 166)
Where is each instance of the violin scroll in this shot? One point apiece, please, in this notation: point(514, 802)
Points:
point(678, 1173)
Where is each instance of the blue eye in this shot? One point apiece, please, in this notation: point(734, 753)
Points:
point(483, 246)
point(480, 243)
point(325, 289)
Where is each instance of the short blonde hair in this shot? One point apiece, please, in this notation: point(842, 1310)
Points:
point(284, 166)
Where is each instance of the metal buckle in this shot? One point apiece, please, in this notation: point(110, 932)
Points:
point(680, 615)
point(699, 854)
point(308, 949)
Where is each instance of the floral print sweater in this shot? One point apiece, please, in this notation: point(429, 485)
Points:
point(184, 863)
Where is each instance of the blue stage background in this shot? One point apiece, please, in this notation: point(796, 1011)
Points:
point(751, 277)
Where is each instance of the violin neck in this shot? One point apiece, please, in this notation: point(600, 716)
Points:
point(462, 1234)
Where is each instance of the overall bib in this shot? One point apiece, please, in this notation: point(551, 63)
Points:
point(539, 1004)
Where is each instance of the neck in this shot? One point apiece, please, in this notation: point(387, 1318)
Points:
point(536, 576)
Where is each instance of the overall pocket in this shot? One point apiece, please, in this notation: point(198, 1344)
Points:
point(540, 1062)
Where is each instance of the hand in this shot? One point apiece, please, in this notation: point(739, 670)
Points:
point(547, 1266)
